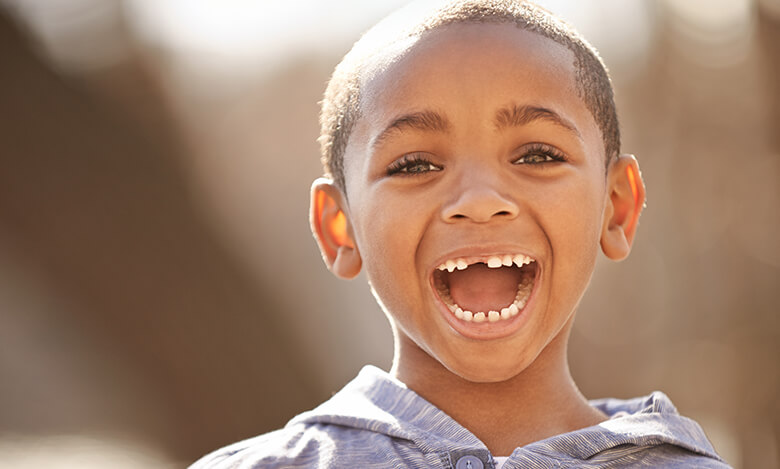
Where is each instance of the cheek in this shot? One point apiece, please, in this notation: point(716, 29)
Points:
point(574, 226)
point(388, 239)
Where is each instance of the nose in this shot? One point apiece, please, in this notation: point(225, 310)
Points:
point(479, 201)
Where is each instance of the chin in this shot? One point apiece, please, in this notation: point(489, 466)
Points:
point(481, 372)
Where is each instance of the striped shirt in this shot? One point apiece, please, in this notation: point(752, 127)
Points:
point(377, 422)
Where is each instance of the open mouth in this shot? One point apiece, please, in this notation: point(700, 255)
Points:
point(492, 289)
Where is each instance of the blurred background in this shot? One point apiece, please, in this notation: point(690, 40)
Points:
point(160, 293)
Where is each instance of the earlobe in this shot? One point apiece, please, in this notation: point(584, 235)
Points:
point(626, 200)
point(331, 228)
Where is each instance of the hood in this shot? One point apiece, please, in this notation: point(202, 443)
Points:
point(376, 402)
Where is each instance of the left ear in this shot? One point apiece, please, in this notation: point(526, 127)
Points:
point(626, 200)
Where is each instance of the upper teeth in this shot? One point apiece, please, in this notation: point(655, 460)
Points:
point(493, 262)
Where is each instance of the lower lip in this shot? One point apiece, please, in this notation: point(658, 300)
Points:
point(488, 330)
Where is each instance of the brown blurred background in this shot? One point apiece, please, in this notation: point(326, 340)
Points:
point(160, 294)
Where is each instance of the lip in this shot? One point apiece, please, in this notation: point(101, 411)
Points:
point(486, 330)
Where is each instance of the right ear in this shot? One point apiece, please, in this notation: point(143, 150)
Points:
point(332, 229)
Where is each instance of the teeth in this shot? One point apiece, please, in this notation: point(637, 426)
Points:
point(493, 262)
point(521, 298)
point(450, 265)
point(523, 291)
point(520, 260)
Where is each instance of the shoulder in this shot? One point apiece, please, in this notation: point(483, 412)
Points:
point(300, 446)
point(649, 430)
point(667, 456)
point(363, 425)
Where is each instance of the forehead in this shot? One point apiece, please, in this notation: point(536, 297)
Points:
point(467, 69)
point(463, 45)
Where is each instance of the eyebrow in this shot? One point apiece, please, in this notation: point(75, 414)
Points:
point(515, 116)
point(426, 121)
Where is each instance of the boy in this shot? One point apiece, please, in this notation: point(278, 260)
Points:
point(472, 155)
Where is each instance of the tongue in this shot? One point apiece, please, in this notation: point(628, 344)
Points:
point(480, 288)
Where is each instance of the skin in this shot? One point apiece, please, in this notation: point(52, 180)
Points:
point(482, 189)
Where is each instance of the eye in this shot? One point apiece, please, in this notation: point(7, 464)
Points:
point(539, 153)
point(412, 164)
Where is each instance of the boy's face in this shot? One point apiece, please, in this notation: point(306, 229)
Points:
point(473, 144)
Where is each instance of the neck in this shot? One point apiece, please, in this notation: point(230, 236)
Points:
point(539, 402)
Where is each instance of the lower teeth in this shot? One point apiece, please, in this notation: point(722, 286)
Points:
point(523, 290)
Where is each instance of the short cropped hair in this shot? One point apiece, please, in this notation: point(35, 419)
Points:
point(341, 102)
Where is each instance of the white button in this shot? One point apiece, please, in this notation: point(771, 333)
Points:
point(469, 462)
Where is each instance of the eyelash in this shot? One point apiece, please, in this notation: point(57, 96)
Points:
point(403, 165)
point(552, 154)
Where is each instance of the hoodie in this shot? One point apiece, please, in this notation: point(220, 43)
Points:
point(375, 421)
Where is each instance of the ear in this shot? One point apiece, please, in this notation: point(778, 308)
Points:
point(332, 229)
point(626, 200)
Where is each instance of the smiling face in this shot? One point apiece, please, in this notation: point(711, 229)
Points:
point(476, 196)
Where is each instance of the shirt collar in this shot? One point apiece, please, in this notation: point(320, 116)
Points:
point(377, 402)
point(643, 421)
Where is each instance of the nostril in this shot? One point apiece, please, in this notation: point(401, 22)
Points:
point(480, 205)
